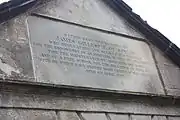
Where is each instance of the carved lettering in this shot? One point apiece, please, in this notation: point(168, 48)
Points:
point(94, 56)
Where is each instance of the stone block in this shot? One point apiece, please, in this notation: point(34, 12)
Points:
point(94, 116)
point(63, 115)
point(159, 118)
point(17, 114)
point(140, 117)
point(173, 118)
point(119, 116)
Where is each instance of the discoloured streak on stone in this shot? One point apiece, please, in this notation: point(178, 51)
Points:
point(15, 56)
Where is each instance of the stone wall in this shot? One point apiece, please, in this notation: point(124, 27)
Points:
point(19, 114)
point(30, 102)
point(23, 98)
point(86, 13)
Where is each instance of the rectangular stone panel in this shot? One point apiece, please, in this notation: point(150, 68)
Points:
point(10, 114)
point(72, 55)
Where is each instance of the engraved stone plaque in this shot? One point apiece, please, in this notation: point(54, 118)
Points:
point(72, 55)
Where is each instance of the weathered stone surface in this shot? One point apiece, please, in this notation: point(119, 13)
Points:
point(77, 56)
point(161, 58)
point(85, 104)
point(15, 56)
point(159, 118)
point(169, 71)
point(63, 115)
point(119, 117)
point(173, 118)
point(140, 117)
point(16, 64)
point(171, 75)
point(82, 12)
point(12, 114)
point(174, 92)
point(94, 116)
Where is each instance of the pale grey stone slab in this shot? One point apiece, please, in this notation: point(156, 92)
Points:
point(119, 116)
point(169, 71)
point(119, 63)
point(171, 75)
point(94, 116)
point(140, 117)
point(82, 12)
point(64, 115)
point(159, 118)
point(173, 118)
point(12, 114)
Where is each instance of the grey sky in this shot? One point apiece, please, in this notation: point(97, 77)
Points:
point(1, 1)
point(161, 14)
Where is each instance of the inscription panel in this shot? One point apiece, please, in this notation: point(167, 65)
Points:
point(66, 54)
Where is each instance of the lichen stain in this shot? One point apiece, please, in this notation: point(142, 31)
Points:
point(7, 69)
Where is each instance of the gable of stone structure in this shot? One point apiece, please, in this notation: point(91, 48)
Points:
point(90, 13)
